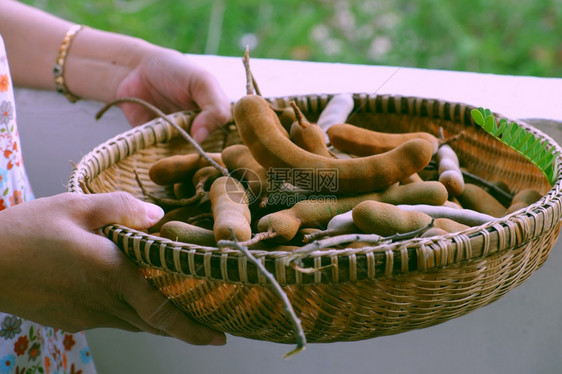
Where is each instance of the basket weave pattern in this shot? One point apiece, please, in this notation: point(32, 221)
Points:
point(356, 293)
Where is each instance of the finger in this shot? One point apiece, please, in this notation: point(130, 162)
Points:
point(214, 105)
point(135, 114)
point(99, 210)
point(161, 315)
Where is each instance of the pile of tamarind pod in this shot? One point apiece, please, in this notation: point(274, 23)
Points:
point(291, 181)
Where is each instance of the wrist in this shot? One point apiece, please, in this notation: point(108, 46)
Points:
point(100, 60)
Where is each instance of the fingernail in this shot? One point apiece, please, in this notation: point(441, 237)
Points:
point(219, 340)
point(201, 134)
point(154, 213)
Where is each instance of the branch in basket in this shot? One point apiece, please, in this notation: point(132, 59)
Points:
point(338, 240)
point(250, 85)
point(162, 115)
point(200, 217)
point(300, 336)
point(256, 239)
point(502, 196)
point(167, 201)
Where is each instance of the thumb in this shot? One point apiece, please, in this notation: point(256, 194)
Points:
point(119, 208)
point(210, 118)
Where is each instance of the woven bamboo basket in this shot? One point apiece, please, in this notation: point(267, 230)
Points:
point(355, 293)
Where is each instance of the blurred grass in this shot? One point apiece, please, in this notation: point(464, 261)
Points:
point(517, 37)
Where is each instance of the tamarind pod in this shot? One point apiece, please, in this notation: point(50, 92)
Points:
point(342, 223)
point(204, 177)
point(338, 225)
point(375, 217)
point(523, 199)
point(286, 117)
point(449, 225)
point(184, 232)
point(453, 181)
point(183, 190)
point(500, 185)
point(202, 181)
point(339, 154)
point(178, 214)
point(433, 231)
point(465, 216)
point(302, 234)
point(364, 142)
point(336, 111)
point(177, 168)
point(317, 213)
point(310, 137)
point(453, 203)
point(449, 170)
point(476, 198)
point(426, 192)
point(429, 174)
point(238, 159)
point(259, 132)
point(414, 178)
point(231, 214)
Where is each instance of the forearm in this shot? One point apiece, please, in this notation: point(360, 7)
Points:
point(97, 61)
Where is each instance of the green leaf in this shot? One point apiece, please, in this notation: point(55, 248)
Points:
point(531, 144)
point(501, 127)
point(478, 116)
point(524, 142)
point(540, 149)
point(506, 135)
point(516, 137)
point(490, 124)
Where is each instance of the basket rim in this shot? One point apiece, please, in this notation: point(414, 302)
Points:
point(352, 264)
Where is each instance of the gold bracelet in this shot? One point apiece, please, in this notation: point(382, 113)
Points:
point(61, 61)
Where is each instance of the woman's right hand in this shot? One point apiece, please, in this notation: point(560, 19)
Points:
point(57, 268)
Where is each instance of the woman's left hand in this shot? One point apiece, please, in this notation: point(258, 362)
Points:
point(172, 82)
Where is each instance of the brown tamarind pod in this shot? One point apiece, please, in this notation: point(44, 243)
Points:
point(316, 213)
point(286, 117)
point(476, 198)
point(433, 231)
point(184, 232)
point(523, 199)
point(183, 190)
point(336, 111)
point(178, 214)
point(364, 142)
point(414, 178)
point(308, 136)
point(240, 162)
point(231, 214)
point(259, 131)
point(449, 170)
point(179, 168)
point(375, 217)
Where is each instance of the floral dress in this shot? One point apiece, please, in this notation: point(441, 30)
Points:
point(27, 347)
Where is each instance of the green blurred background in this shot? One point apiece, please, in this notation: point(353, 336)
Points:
point(518, 37)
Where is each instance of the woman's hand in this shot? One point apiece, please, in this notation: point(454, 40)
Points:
point(172, 82)
point(57, 269)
